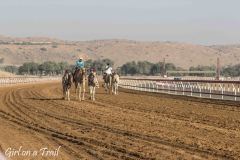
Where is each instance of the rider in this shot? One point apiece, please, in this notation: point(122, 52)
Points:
point(79, 65)
point(108, 71)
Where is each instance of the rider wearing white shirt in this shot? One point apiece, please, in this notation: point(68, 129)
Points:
point(108, 70)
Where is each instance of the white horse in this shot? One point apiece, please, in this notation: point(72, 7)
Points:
point(115, 82)
point(66, 84)
point(92, 84)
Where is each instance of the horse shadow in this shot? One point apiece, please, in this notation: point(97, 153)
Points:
point(46, 99)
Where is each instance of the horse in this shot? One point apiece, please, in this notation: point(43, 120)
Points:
point(79, 81)
point(66, 84)
point(107, 82)
point(92, 84)
point(115, 82)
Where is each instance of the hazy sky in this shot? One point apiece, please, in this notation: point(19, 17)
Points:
point(194, 21)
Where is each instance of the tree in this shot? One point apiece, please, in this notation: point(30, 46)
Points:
point(156, 69)
point(232, 71)
point(129, 68)
point(49, 67)
point(144, 67)
point(63, 66)
point(29, 68)
point(11, 69)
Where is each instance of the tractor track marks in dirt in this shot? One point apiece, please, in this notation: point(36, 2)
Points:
point(136, 136)
point(80, 141)
point(40, 110)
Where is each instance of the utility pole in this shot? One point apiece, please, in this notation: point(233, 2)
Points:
point(164, 67)
point(218, 71)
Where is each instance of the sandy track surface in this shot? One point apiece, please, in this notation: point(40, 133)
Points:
point(132, 125)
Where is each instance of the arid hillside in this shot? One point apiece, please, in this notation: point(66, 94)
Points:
point(19, 50)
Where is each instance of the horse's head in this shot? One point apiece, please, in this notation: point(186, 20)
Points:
point(67, 78)
point(92, 79)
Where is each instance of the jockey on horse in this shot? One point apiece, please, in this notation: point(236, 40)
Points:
point(107, 77)
point(79, 76)
point(107, 73)
point(79, 65)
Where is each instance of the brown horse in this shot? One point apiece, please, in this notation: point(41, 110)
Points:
point(92, 84)
point(107, 82)
point(79, 80)
point(66, 84)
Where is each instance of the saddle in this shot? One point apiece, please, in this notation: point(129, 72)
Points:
point(107, 78)
point(77, 70)
point(92, 81)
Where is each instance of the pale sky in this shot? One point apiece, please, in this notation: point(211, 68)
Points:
point(192, 21)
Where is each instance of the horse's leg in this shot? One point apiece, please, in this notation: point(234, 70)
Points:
point(110, 85)
point(90, 92)
point(114, 89)
point(79, 92)
point(68, 94)
point(83, 85)
point(63, 93)
point(105, 86)
point(76, 90)
point(94, 90)
point(117, 88)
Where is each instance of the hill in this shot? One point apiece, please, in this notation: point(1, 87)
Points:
point(19, 50)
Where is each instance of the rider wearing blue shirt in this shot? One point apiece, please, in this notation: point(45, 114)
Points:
point(80, 63)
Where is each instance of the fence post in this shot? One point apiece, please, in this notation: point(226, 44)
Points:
point(175, 87)
point(168, 87)
point(210, 90)
point(221, 89)
point(153, 90)
point(190, 88)
point(136, 84)
point(200, 90)
point(157, 87)
point(182, 88)
point(235, 92)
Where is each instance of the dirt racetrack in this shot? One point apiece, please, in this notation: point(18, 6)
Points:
point(132, 125)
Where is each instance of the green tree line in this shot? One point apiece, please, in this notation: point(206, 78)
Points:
point(129, 68)
point(147, 68)
point(53, 68)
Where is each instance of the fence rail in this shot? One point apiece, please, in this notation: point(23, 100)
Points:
point(22, 80)
point(225, 90)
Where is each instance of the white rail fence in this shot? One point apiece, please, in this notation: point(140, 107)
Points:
point(21, 80)
point(197, 88)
